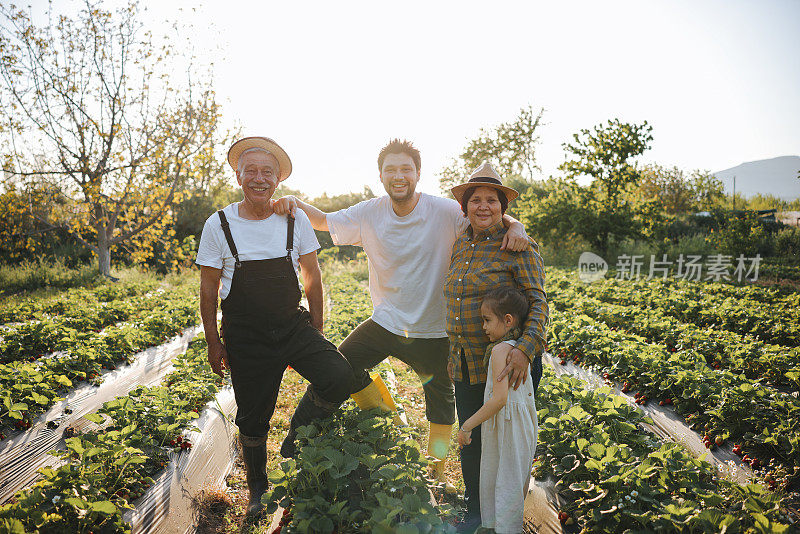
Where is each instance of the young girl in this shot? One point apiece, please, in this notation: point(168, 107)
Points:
point(509, 428)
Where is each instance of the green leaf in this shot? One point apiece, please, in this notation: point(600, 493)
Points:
point(76, 502)
point(596, 450)
point(64, 381)
point(39, 399)
point(95, 418)
point(75, 445)
point(12, 526)
point(104, 507)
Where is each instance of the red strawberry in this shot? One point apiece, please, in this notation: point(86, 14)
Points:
point(668, 400)
point(719, 441)
point(754, 463)
point(563, 516)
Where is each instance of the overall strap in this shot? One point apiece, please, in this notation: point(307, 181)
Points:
point(226, 229)
point(289, 237)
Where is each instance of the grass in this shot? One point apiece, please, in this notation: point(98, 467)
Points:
point(42, 275)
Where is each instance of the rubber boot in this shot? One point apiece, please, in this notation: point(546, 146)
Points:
point(310, 408)
point(376, 395)
point(438, 447)
point(254, 454)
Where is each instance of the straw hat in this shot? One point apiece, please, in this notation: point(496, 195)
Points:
point(264, 143)
point(484, 176)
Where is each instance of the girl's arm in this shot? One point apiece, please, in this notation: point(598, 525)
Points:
point(495, 402)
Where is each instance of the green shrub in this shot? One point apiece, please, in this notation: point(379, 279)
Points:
point(787, 244)
point(742, 233)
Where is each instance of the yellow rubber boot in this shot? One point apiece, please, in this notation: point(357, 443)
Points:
point(376, 395)
point(438, 447)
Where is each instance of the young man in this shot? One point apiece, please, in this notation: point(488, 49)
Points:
point(408, 237)
point(249, 256)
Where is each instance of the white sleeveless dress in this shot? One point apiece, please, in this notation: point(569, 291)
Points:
point(508, 447)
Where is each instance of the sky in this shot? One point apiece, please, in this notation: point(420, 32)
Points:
point(332, 82)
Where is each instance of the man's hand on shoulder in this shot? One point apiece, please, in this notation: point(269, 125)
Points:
point(285, 205)
point(515, 239)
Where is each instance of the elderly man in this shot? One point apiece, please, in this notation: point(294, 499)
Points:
point(408, 237)
point(249, 256)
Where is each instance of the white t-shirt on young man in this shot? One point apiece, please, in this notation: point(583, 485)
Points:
point(408, 259)
point(254, 240)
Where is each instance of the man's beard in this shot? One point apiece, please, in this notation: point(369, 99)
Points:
point(402, 197)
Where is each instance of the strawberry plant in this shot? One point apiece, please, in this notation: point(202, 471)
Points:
point(718, 402)
point(71, 302)
point(771, 364)
point(776, 324)
point(616, 477)
point(40, 384)
point(356, 472)
point(103, 472)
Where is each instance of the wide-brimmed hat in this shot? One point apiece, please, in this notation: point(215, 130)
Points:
point(484, 176)
point(264, 143)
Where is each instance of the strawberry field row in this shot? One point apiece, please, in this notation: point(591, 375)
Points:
point(780, 297)
point(356, 472)
point(105, 471)
point(29, 388)
point(32, 340)
point(72, 302)
point(617, 477)
point(775, 365)
point(772, 323)
point(717, 402)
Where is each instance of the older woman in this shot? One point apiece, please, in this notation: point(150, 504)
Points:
point(476, 266)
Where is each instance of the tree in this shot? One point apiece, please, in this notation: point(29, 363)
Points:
point(511, 146)
point(606, 211)
point(94, 111)
point(677, 193)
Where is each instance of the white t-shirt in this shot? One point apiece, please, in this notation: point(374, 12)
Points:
point(254, 240)
point(408, 259)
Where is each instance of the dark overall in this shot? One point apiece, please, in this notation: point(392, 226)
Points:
point(265, 329)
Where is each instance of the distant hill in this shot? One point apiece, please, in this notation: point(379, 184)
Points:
point(776, 176)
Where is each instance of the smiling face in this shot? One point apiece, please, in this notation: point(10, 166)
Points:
point(484, 209)
point(399, 176)
point(258, 176)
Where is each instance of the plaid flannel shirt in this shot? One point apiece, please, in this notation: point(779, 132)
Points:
point(476, 266)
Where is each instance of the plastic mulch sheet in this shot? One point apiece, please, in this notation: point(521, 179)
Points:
point(666, 424)
point(541, 514)
point(540, 507)
point(22, 455)
point(167, 506)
